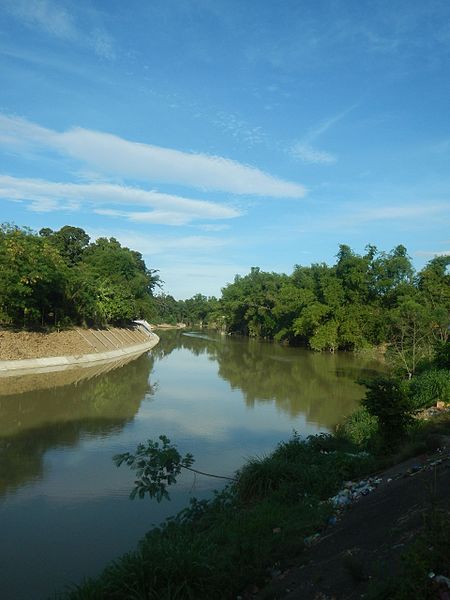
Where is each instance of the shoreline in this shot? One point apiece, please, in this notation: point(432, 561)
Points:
point(74, 348)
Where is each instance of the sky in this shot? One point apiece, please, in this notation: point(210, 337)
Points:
point(217, 135)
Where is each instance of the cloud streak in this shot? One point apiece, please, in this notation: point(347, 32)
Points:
point(308, 154)
point(304, 150)
point(167, 209)
point(388, 213)
point(116, 156)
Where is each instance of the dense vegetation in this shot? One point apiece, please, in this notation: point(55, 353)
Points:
point(362, 301)
point(61, 278)
point(375, 299)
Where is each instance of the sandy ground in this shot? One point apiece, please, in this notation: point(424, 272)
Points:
point(27, 344)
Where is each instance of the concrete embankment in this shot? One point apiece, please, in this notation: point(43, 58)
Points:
point(104, 345)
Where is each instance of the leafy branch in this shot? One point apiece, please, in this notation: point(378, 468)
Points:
point(157, 466)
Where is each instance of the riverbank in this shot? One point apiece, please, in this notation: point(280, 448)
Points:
point(265, 536)
point(20, 345)
point(26, 351)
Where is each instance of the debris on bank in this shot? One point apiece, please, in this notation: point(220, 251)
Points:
point(353, 491)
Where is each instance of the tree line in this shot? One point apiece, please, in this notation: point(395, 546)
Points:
point(367, 300)
point(363, 300)
point(60, 278)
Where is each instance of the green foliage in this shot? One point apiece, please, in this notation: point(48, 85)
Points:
point(360, 428)
point(361, 301)
point(315, 466)
point(248, 303)
point(429, 387)
point(59, 277)
point(410, 334)
point(157, 466)
point(387, 399)
point(442, 355)
point(32, 278)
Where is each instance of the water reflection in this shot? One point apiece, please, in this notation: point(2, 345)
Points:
point(64, 507)
point(32, 422)
point(320, 386)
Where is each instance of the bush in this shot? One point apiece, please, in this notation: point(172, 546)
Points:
point(387, 398)
point(429, 387)
point(315, 467)
point(360, 428)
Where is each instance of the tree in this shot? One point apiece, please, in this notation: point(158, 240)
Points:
point(248, 302)
point(70, 241)
point(33, 278)
point(57, 277)
point(409, 334)
point(434, 283)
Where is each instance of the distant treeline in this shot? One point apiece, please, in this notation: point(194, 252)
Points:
point(60, 278)
point(361, 301)
point(373, 299)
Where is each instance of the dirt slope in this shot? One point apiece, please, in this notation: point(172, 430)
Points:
point(369, 537)
point(26, 344)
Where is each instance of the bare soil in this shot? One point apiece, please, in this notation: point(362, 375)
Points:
point(17, 345)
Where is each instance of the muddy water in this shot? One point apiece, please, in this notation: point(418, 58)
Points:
point(64, 507)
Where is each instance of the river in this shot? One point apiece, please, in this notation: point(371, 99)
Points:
point(64, 506)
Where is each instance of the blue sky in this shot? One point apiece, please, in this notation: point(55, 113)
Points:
point(216, 135)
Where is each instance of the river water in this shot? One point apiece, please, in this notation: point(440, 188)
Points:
point(64, 506)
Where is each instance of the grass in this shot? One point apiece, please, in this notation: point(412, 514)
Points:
point(222, 547)
point(217, 548)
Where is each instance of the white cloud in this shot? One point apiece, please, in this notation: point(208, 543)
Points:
point(113, 155)
point(165, 208)
point(308, 154)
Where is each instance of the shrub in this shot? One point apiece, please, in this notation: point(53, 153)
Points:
point(387, 399)
point(360, 428)
point(429, 387)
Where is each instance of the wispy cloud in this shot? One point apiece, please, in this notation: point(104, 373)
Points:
point(239, 129)
point(308, 154)
point(407, 211)
point(304, 150)
point(167, 209)
point(54, 19)
point(113, 155)
point(50, 17)
point(153, 245)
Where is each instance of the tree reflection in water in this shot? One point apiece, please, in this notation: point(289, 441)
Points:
point(35, 421)
point(321, 386)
